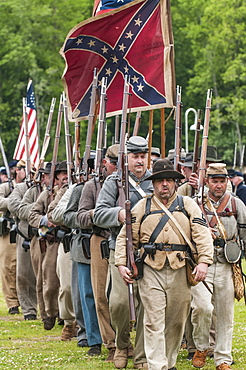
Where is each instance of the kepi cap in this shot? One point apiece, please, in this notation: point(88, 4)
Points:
point(156, 151)
point(234, 173)
point(112, 152)
point(21, 164)
point(137, 144)
point(217, 170)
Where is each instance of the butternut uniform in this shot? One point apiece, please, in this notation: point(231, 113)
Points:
point(164, 289)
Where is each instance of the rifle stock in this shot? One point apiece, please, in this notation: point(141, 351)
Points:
point(91, 125)
point(202, 168)
point(100, 133)
point(46, 139)
point(129, 246)
point(55, 150)
point(137, 124)
point(27, 146)
point(6, 165)
point(177, 146)
point(235, 157)
point(196, 146)
point(126, 94)
point(68, 140)
point(124, 198)
point(77, 159)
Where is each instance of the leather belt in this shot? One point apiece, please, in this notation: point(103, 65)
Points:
point(168, 247)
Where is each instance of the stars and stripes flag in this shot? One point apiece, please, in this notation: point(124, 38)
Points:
point(136, 40)
point(20, 152)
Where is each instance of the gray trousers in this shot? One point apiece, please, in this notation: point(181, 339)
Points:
point(25, 280)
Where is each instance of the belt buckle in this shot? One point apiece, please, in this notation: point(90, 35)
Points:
point(167, 247)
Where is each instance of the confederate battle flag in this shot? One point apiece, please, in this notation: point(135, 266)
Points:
point(136, 40)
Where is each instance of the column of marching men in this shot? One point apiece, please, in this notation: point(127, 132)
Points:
point(68, 262)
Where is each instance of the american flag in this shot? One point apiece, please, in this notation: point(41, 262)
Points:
point(135, 40)
point(20, 152)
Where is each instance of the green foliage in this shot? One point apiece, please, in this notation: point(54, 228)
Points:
point(210, 52)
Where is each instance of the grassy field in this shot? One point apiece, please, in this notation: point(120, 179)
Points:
point(25, 345)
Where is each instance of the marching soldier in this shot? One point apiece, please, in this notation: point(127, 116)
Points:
point(26, 280)
point(108, 214)
point(49, 246)
point(99, 265)
point(7, 249)
point(226, 215)
point(162, 226)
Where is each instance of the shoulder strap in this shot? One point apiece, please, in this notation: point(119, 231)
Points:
point(222, 205)
point(233, 206)
point(163, 221)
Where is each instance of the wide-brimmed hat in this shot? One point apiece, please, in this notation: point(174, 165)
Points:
point(217, 170)
point(188, 160)
point(211, 154)
point(163, 169)
point(62, 166)
point(46, 169)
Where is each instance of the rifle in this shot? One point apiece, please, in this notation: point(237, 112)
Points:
point(27, 147)
point(123, 199)
point(116, 130)
point(129, 248)
point(151, 116)
point(163, 138)
point(68, 140)
point(91, 125)
point(46, 139)
point(100, 133)
point(77, 159)
point(235, 157)
point(196, 145)
point(202, 168)
point(122, 196)
point(6, 165)
point(55, 151)
point(137, 124)
point(177, 146)
point(242, 157)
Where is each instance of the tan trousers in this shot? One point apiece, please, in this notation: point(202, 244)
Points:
point(99, 270)
point(119, 313)
point(219, 279)
point(50, 280)
point(8, 271)
point(37, 260)
point(166, 299)
point(63, 270)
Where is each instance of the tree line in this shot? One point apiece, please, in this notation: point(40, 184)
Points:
point(210, 52)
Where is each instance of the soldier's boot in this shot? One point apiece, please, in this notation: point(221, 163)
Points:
point(199, 358)
point(223, 366)
point(121, 358)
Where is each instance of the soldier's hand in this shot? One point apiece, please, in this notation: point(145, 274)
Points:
point(126, 274)
point(122, 215)
point(193, 180)
point(200, 271)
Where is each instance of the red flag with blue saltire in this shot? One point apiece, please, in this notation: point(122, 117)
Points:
point(135, 39)
point(20, 152)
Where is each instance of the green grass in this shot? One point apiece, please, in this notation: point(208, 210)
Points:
point(25, 345)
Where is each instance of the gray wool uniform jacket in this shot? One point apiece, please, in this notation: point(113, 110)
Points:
point(107, 208)
point(70, 220)
point(15, 199)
